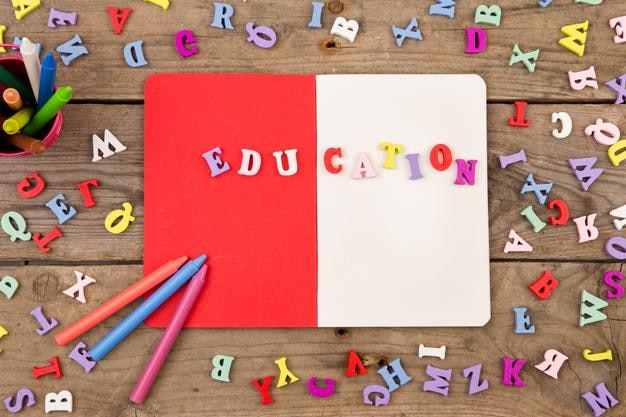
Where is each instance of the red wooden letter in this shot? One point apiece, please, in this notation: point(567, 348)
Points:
point(86, 192)
point(264, 389)
point(443, 163)
point(355, 366)
point(328, 160)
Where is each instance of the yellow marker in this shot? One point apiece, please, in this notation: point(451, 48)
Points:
point(2, 30)
point(3, 332)
point(576, 37)
point(617, 152)
point(607, 355)
point(23, 7)
point(392, 149)
point(15, 123)
point(118, 220)
point(285, 373)
point(164, 4)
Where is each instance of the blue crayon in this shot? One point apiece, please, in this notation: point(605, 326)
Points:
point(130, 323)
point(46, 83)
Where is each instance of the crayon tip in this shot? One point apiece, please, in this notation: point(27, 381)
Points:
point(200, 259)
point(65, 93)
point(178, 262)
point(201, 274)
point(27, 47)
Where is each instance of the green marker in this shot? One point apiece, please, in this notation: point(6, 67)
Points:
point(13, 124)
point(48, 111)
point(11, 81)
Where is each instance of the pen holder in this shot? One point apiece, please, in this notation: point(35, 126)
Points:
point(49, 134)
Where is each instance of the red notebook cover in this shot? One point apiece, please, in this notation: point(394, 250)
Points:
point(259, 232)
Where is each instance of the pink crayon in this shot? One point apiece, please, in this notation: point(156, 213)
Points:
point(163, 346)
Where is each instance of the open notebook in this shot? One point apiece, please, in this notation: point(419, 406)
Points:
point(331, 200)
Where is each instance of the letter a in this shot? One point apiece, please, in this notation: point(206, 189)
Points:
point(518, 244)
point(119, 17)
point(576, 36)
point(107, 147)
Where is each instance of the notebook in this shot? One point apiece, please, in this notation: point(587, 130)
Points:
point(321, 201)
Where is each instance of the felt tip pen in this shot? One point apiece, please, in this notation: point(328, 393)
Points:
point(48, 76)
point(12, 97)
point(59, 99)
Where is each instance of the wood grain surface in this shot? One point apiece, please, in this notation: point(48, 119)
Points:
point(109, 94)
point(68, 162)
point(184, 387)
point(104, 75)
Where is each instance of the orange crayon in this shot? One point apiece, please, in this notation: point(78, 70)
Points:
point(121, 300)
point(26, 143)
point(12, 97)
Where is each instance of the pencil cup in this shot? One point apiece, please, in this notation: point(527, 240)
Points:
point(47, 135)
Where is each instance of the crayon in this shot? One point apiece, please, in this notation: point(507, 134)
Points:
point(49, 110)
point(29, 53)
point(121, 300)
point(12, 97)
point(165, 343)
point(13, 124)
point(11, 81)
point(134, 319)
point(26, 143)
point(46, 83)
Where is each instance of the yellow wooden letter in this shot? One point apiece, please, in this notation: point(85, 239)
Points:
point(392, 149)
point(617, 152)
point(164, 4)
point(3, 332)
point(607, 355)
point(285, 373)
point(576, 37)
point(2, 30)
point(118, 220)
point(23, 7)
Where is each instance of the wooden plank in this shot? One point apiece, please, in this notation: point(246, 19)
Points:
point(185, 388)
point(85, 238)
point(103, 74)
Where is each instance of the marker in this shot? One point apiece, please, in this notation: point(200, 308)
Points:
point(49, 110)
point(134, 319)
point(11, 81)
point(26, 143)
point(121, 300)
point(12, 97)
point(28, 50)
point(164, 345)
point(13, 124)
point(46, 83)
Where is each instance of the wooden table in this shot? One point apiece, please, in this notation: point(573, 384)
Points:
point(109, 95)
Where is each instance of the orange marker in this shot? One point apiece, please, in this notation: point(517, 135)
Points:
point(121, 300)
point(13, 99)
point(26, 143)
